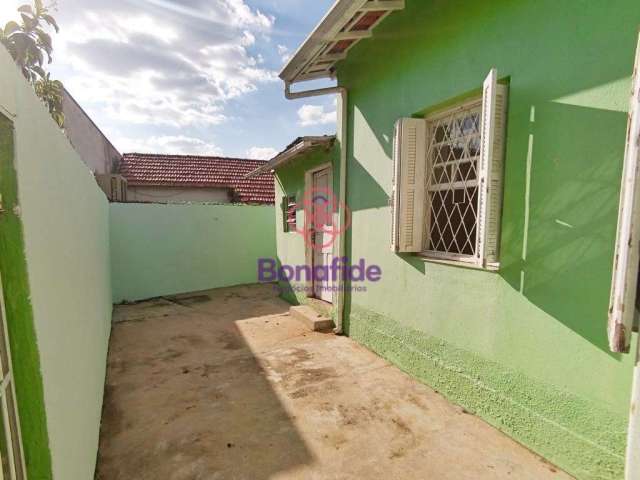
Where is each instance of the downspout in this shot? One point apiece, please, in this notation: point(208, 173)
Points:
point(633, 441)
point(342, 216)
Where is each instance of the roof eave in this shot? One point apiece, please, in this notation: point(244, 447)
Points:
point(305, 145)
point(316, 57)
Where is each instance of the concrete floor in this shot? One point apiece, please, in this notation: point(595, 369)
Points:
point(224, 384)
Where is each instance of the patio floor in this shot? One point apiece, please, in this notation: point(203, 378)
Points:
point(224, 384)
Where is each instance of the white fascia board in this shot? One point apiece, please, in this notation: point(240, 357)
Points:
point(341, 12)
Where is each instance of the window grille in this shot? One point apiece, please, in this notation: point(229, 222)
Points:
point(289, 206)
point(453, 152)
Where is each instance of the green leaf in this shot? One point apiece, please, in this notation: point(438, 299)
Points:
point(11, 27)
point(24, 44)
point(29, 22)
point(44, 37)
point(58, 117)
point(26, 9)
point(44, 42)
point(37, 53)
point(51, 21)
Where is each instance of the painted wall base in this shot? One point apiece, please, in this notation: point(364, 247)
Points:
point(575, 434)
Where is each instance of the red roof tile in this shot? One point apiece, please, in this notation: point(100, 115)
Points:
point(194, 171)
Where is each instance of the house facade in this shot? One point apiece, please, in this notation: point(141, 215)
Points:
point(294, 169)
point(496, 276)
point(154, 178)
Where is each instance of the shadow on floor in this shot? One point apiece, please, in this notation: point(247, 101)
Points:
point(224, 384)
point(186, 398)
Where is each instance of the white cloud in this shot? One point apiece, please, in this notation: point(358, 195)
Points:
point(309, 115)
point(161, 62)
point(8, 10)
point(145, 24)
point(248, 39)
point(284, 53)
point(261, 153)
point(177, 145)
point(242, 15)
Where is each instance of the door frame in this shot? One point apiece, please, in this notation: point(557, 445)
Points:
point(308, 185)
point(10, 412)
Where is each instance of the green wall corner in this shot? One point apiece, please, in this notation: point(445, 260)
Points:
point(20, 323)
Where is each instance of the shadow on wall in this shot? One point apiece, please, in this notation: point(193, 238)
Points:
point(287, 290)
point(369, 193)
point(559, 255)
point(559, 252)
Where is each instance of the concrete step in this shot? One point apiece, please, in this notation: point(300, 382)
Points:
point(312, 319)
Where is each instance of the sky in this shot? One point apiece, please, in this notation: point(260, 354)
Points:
point(187, 76)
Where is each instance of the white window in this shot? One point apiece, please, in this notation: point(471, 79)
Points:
point(447, 186)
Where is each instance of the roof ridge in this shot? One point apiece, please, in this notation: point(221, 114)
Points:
point(189, 156)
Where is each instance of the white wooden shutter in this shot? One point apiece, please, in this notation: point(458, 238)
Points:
point(408, 193)
point(625, 263)
point(490, 169)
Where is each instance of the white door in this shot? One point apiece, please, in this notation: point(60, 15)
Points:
point(11, 456)
point(323, 238)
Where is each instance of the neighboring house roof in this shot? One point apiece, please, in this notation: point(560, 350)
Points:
point(93, 146)
point(294, 150)
point(348, 22)
point(199, 172)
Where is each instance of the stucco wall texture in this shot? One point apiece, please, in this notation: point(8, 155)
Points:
point(67, 304)
point(525, 347)
point(168, 249)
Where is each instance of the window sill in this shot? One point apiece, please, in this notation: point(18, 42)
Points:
point(492, 267)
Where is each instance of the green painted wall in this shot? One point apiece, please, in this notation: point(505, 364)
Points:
point(290, 180)
point(526, 347)
point(56, 272)
point(168, 249)
point(26, 358)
